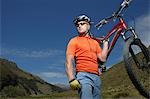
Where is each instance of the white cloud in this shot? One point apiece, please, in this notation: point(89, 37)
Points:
point(52, 75)
point(60, 62)
point(31, 53)
point(142, 27)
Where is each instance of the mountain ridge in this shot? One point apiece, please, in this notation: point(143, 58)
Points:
point(16, 82)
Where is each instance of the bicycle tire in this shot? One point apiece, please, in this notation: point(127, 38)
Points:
point(131, 59)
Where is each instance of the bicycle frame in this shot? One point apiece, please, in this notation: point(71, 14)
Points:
point(119, 29)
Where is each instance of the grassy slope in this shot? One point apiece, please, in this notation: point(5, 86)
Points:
point(16, 82)
point(116, 83)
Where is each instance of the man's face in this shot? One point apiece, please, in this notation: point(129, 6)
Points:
point(82, 27)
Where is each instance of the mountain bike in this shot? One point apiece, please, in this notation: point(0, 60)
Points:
point(136, 55)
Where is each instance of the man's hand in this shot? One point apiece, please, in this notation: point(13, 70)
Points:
point(105, 40)
point(74, 84)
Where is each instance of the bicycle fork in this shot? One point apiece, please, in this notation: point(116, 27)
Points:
point(138, 42)
point(131, 30)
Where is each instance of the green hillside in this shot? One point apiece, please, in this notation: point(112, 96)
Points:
point(16, 82)
point(116, 83)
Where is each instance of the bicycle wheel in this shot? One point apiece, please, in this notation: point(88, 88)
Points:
point(137, 64)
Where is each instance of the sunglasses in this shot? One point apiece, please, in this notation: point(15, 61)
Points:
point(82, 23)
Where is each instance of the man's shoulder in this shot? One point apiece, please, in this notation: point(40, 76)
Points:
point(95, 41)
point(74, 38)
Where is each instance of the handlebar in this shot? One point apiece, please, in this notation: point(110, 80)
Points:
point(116, 14)
point(126, 3)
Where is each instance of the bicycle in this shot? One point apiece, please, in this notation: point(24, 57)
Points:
point(137, 64)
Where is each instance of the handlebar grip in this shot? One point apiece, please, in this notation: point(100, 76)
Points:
point(101, 23)
point(124, 4)
point(98, 25)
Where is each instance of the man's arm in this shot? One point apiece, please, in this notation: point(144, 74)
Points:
point(69, 66)
point(74, 84)
point(103, 55)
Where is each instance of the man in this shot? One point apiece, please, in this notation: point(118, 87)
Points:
point(85, 51)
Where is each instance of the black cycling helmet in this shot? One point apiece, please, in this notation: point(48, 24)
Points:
point(82, 17)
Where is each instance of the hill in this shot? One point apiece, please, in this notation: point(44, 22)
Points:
point(116, 83)
point(16, 82)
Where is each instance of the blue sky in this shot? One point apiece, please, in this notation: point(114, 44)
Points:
point(34, 33)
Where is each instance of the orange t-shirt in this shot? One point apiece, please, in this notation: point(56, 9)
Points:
point(85, 50)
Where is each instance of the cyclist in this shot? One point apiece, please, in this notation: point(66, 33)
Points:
point(85, 51)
